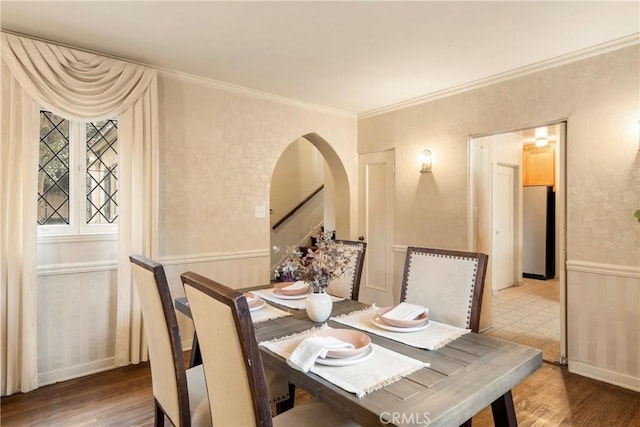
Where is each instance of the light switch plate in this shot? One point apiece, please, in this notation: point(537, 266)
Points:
point(261, 211)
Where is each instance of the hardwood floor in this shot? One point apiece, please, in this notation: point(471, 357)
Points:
point(122, 397)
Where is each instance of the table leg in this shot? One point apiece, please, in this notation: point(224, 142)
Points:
point(504, 414)
point(287, 404)
point(196, 357)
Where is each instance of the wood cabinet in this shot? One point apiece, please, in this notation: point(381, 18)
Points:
point(538, 165)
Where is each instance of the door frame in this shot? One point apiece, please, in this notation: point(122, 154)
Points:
point(561, 215)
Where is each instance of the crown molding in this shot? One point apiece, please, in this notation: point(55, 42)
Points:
point(253, 93)
point(509, 75)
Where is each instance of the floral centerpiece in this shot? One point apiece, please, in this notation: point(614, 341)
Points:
point(319, 265)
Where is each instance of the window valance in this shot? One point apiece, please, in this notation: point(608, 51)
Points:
point(79, 85)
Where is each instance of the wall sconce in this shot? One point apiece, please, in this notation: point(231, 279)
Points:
point(426, 161)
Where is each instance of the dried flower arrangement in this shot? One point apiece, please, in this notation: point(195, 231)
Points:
point(326, 261)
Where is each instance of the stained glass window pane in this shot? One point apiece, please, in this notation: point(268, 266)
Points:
point(53, 172)
point(102, 172)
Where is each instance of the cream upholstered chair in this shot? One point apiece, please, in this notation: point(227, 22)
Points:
point(348, 286)
point(449, 283)
point(180, 394)
point(233, 365)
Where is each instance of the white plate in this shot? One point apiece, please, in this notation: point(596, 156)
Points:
point(258, 306)
point(380, 324)
point(290, 296)
point(347, 360)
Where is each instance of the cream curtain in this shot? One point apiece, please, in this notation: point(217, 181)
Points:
point(18, 205)
point(75, 85)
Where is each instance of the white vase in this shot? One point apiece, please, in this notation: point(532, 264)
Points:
point(318, 306)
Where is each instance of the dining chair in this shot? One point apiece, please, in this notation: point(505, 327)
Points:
point(179, 393)
point(233, 365)
point(348, 285)
point(450, 283)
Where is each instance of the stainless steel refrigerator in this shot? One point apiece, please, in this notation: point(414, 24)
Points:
point(538, 232)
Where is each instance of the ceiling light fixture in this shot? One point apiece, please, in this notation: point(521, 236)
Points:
point(541, 137)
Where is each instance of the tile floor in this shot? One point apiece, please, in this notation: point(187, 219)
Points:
point(529, 314)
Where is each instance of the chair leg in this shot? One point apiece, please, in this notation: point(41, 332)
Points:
point(287, 404)
point(158, 415)
point(504, 414)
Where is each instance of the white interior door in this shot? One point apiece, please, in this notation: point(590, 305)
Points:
point(503, 227)
point(376, 178)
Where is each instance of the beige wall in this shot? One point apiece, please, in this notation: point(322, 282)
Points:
point(599, 98)
point(218, 153)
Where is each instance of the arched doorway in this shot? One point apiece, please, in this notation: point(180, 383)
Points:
point(309, 188)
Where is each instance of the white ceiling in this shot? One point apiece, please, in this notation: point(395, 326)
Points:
point(354, 56)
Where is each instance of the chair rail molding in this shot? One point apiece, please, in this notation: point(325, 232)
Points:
point(76, 267)
point(213, 257)
point(608, 269)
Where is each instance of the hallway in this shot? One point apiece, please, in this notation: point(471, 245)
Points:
point(529, 314)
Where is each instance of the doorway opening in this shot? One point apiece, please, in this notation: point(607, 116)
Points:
point(309, 189)
point(525, 287)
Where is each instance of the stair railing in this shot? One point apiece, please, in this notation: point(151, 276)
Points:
point(297, 207)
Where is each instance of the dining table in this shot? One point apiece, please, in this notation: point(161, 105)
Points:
point(454, 382)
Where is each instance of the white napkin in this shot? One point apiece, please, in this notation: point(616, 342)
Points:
point(306, 353)
point(404, 311)
point(296, 285)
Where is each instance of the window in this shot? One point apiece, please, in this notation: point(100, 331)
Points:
point(78, 176)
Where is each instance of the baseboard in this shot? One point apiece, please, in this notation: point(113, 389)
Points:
point(50, 377)
point(621, 380)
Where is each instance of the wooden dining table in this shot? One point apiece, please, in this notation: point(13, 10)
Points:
point(462, 378)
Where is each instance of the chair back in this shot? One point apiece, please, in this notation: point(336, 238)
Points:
point(230, 353)
point(449, 283)
point(168, 374)
point(348, 285)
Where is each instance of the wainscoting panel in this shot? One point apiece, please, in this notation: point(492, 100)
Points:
point(76, 322)
point(233, 269)
point(77, 307)
point(604, 322)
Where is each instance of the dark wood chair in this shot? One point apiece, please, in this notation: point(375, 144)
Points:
point(233, 364)
point(178, 393)
point(348, 286)
point(450, 283)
